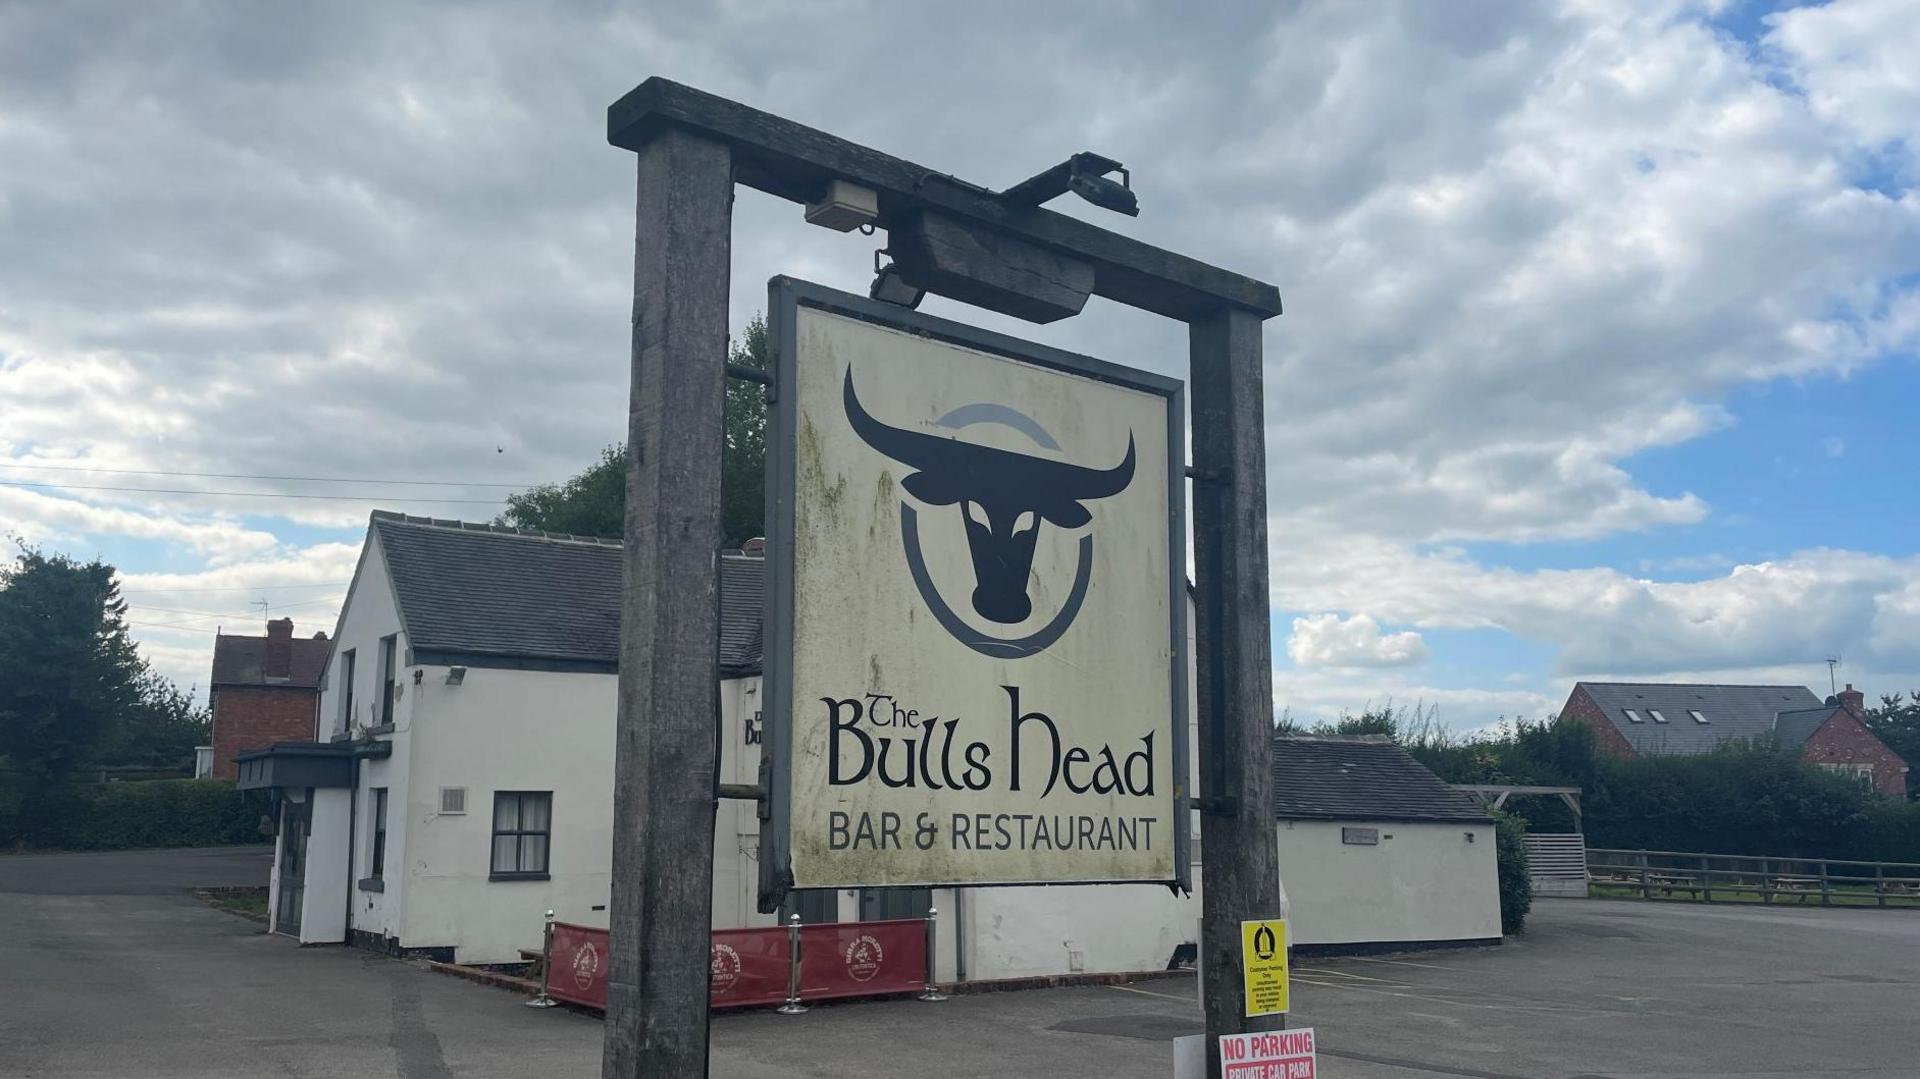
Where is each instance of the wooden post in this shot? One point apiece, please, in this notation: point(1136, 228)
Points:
point(1240, 871)
point(1706, 877)
point(1826, 894)
point(1880, 885)
point(663, 806)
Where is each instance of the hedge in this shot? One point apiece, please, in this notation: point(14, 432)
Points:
point(120, 816)
point(1516, 883)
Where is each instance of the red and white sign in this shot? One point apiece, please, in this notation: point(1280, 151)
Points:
point(1273, 1054)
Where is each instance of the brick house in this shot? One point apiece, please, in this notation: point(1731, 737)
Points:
point(263, 690)
point(1648, 718)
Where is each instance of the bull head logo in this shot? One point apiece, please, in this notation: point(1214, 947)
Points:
point(1003, 498)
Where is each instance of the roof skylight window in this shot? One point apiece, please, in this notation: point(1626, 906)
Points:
point(1634, 717)
point(1657, 717)
point(1697, 717)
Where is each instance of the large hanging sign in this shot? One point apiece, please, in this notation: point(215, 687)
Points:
point(976, 622)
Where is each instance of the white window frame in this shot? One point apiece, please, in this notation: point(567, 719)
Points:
point(1657, 717)
point(1698, 716)
point(1633, 716)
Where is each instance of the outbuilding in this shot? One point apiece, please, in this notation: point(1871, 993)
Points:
point(1377, 852)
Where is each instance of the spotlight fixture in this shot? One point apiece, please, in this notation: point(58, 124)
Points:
point(1084, 174)
point(890, 287)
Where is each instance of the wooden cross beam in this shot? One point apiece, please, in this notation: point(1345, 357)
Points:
point(797, 162)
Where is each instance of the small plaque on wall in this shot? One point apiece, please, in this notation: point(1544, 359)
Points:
point(1360, 837)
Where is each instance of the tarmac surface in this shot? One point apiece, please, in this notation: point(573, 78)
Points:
point(108, 967)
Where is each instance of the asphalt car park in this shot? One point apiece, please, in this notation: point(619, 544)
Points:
point(110, 967)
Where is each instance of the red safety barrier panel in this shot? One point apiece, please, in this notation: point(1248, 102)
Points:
point(862, 959)
point(747, 966)
point(579, 965)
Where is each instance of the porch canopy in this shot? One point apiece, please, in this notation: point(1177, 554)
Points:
point(289, 765)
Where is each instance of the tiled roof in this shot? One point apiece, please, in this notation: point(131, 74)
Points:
point(1731, 712)
point(240, 661)
point(515, 594)
point(1361, 779)
point(1795, 727)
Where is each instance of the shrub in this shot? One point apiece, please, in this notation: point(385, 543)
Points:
point(157, 813)
point(1516, 886)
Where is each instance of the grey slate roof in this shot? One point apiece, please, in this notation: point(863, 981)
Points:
point(1795, 727)
point(1731, 711)
point(470, 593)
point(1362, 779)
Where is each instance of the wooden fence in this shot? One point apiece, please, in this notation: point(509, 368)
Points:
point(1711, 878)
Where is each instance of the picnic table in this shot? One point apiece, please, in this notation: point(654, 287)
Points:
point(1800, 886)
point(1669, 883)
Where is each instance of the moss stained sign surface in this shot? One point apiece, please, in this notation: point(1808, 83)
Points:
point(976, 621)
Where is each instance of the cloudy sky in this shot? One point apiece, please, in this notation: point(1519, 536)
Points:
point(1599, 356)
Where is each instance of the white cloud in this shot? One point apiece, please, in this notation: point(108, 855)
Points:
point(1834, 445)
point(1327, 640)
point(71, 524)
point(1856, 62)
point(1519, 245)
point(1787, 613)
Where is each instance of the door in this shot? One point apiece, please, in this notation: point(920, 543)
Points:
point(294, 819)
point(815, 906)
point(882, 904)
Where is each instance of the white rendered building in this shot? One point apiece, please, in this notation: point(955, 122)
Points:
point(463, 786)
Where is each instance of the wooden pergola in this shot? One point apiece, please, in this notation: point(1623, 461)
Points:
point(1495, 795)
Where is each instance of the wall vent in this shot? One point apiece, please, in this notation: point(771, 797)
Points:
point(453, 800)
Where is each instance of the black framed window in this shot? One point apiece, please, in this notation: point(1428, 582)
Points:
point(379, 868)
point(387, 650)
point(522, 832)
point(346, 691)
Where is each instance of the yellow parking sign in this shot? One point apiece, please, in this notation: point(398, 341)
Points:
point(1263, 961)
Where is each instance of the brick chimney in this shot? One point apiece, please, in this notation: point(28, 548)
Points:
point(278, 663)
point(1853, 701)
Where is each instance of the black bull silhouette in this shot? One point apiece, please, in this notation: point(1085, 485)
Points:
point(1003, 497)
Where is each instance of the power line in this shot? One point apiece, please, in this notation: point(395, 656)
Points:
point(167, 625)
point(229, 614)
point(255, 476)
point(237, 588)
point(254, 494)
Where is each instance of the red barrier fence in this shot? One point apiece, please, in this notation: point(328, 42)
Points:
point(746, 967)
point(749, 967)
point(577, 966)
point(862, 959)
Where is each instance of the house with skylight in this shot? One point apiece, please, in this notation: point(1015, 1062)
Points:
point(1632, 719)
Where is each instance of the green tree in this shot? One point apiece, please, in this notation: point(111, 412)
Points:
point(1897, 723)
point(594, 502)
point(68, 671)
point(160, 729)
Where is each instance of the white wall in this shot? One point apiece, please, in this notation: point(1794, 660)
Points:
point(507, 730)
point(370, 615)
point(1423, 882)
point(736, 827)
point(323, 912)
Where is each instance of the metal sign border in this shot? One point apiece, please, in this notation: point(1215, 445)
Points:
point(785, 296)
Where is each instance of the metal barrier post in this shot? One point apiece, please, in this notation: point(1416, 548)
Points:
point(928, 992)
point(793, 1005)
point(546, 968)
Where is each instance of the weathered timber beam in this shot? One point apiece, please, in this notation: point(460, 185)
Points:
point(992, 270)
point(796, 162)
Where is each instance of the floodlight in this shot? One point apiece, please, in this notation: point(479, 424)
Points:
point(890, 287)
point(1084, 174)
